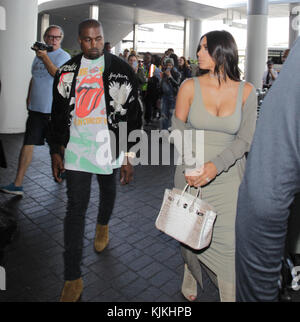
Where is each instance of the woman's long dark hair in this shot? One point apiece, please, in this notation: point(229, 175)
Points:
point(223, 50)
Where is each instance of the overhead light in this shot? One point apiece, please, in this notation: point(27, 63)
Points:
point(142, 28)
point(174, 27)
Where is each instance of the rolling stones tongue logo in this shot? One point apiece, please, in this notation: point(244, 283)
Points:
point(89, 94)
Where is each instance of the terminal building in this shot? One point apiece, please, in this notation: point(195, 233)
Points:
point(23, 22)
point(140, 265)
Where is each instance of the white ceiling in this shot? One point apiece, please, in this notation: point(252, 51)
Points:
point(137, 11)
point(152, 11)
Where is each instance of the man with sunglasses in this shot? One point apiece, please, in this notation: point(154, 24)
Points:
point(39, 102)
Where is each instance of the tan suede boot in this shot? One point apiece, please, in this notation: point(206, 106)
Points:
point(101, 238)
point(72, 291)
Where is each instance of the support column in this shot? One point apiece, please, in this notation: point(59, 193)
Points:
point(186, 38)
point(192, 35)
point(256, 53)
point(15, 62)
point(94, 12)
point(2, 18)
point(118, 48)
point(294, 23)
point(135, 37)
point(45, 23)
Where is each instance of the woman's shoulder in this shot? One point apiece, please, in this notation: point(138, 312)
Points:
point(188, 85)
point(249, 90)
point(249, 87)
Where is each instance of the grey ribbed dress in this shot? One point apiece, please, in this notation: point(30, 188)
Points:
point(226, 139)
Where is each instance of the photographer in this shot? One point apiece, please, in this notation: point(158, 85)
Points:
point(169, 88)
point(270, 75)
point(49, 57)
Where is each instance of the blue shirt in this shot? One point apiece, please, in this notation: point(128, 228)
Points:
point(42, 81)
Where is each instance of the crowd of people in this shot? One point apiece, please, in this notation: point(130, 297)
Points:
point(77, 104)
point(159, 79)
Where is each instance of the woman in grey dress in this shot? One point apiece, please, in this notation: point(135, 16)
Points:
point(223, 107)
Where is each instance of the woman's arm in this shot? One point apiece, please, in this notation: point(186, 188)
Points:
point(242, 142)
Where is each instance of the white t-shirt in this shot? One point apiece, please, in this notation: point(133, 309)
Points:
point(89, 147)
point(271, 81)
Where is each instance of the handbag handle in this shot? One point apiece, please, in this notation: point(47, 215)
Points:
point(199, 193)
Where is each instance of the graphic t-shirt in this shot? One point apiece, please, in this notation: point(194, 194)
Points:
point(89, 148)
point(42, 81)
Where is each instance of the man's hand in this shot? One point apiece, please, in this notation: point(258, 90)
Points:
point(168, 72)
point(41, 53)
point(126, 173)
point(57, 167)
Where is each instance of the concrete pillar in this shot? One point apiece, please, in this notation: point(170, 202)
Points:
point(192, 35)
point(294, 23)
point(186, 38)
point(15, 62)
point(135, 37)
point(118, 48)
point(2, 18)
point(45, 23)
point(94, 12)
point(256, 53)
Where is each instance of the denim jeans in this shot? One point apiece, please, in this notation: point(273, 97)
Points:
point(168, 105)
point(78, 192)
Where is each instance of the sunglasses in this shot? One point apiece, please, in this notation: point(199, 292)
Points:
point(53, 37)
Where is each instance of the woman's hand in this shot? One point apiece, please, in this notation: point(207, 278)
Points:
point(202, 176)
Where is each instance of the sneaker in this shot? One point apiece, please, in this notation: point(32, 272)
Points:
point(11, 188)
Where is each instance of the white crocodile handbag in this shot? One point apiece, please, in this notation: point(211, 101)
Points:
point(186, 218)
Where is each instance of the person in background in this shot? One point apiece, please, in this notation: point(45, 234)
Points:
point(150, 90)
point(175, 59)
point(169, 87)
point(285, 55)
point(270, 75)
point(133, 62)
point(184, 69)
point(125, 54)
point(39, 102)
point(139, 73)
point(107, 47)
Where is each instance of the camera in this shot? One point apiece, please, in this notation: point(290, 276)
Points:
point(41, 46)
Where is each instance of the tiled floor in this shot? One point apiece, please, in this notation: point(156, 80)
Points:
point(140, 264)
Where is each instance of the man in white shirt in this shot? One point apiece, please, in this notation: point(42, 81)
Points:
point(270, 75)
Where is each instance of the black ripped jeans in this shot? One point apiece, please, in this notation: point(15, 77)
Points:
point(78, 192)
